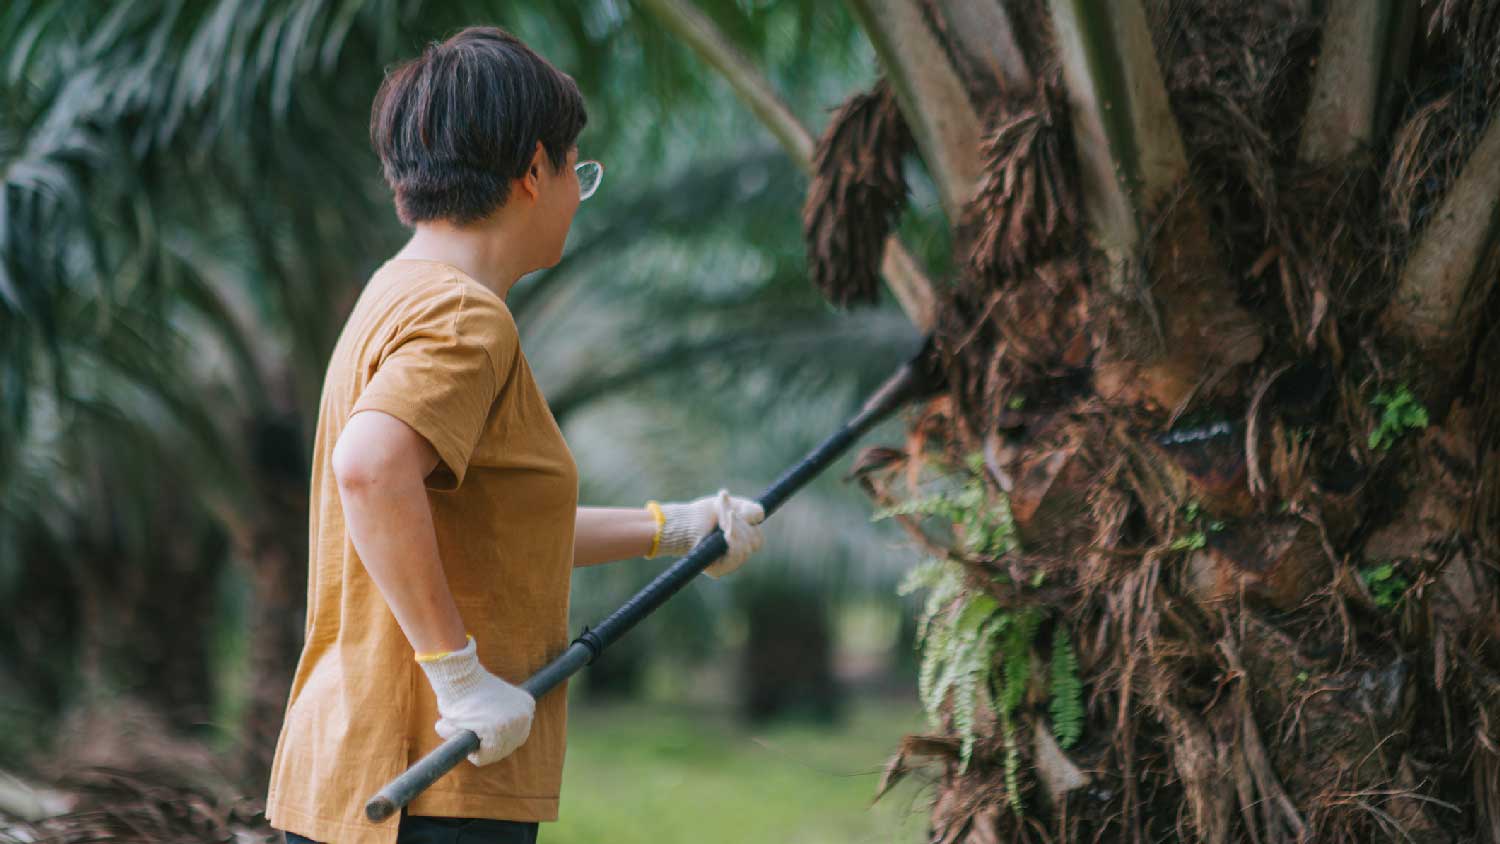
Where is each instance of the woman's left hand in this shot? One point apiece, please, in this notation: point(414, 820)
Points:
point(688, 522)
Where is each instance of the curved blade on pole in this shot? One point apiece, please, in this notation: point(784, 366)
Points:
point(916, 378)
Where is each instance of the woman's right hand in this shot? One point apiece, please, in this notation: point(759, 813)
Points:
point(471, 698)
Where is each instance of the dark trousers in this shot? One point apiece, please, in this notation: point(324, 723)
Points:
point(420, 829)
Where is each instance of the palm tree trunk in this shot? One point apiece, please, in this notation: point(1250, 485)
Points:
point(1222, 484)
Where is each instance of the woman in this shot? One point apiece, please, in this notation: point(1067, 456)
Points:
point(444, 517)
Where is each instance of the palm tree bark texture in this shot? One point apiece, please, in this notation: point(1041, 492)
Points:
point(1223, 359)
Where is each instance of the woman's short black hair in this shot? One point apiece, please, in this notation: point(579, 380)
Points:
point(454, 126)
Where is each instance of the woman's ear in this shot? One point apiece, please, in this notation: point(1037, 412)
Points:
point(531, 181)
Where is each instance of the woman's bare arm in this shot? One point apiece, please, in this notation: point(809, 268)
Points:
point(606, 534)
point(380, 464)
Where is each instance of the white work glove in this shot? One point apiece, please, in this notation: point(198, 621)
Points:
point(687, 523)
point(471, 698)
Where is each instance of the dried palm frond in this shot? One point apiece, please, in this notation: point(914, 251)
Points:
point(856, 194)
point(1027, 204)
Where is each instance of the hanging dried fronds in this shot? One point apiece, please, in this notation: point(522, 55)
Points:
point(856, 195)
point(1026, 207)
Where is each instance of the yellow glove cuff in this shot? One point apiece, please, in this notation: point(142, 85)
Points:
point(661, 521)
point(469, 637)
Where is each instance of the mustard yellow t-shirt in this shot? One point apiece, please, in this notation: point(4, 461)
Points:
point(435, 348)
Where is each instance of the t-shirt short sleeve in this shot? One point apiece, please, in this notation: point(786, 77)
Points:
point(442, 371)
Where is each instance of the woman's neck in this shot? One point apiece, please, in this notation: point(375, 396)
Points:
point(484, 251)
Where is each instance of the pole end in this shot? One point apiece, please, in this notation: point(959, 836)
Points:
point(379, 808)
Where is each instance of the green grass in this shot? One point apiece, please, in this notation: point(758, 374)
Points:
point(640, 773)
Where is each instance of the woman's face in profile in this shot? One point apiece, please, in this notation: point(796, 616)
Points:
point(556, 206)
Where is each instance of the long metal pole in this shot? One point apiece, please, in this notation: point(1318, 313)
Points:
point(916, 378)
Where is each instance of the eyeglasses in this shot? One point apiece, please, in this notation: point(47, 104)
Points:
point(590, 174)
